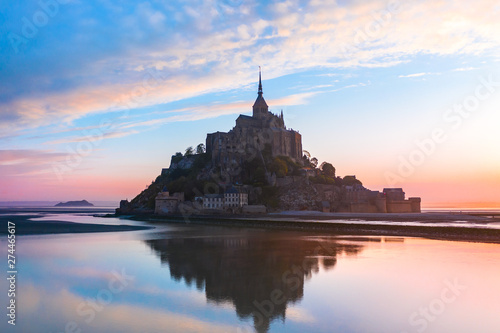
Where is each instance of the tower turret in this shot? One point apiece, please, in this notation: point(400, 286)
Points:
point(260, 107)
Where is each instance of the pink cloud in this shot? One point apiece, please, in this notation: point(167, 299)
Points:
point(305, 38)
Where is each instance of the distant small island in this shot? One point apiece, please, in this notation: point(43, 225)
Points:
point(81, 203)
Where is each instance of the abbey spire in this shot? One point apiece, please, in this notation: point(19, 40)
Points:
point(260, 83)
point(260, 107)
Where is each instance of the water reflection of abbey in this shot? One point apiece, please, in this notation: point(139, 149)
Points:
point(260, 273)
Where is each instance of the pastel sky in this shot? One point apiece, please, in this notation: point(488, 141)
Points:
point(95, 96)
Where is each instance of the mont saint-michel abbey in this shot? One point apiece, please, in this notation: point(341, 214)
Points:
point(252, 134)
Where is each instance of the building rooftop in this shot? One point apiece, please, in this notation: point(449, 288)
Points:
point(214, 195)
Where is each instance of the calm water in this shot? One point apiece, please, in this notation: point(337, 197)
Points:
point(188, 278)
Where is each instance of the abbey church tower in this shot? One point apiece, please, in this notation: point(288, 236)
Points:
point(260, 108)
point(253, 133)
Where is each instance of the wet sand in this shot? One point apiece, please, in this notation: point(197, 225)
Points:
point(353, 224)
point(329, 223)
point(24, 226)
point(396, 217)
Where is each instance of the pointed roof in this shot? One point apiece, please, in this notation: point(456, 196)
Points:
point(260, 102)
point(260, 83)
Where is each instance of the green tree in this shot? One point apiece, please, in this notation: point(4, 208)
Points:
point(328, 169)
point(280, 167)
point(351, 180)
point(321, 179)
point(177, 157)
point(189, 151)
point(200, 149)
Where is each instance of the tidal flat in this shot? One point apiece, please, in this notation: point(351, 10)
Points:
point(180, 277)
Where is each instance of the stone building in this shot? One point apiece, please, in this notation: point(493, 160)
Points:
point(213, 201)
point(362, 200)
point(392, 200)
point(233, 198)
point(251, 135)
point(396, 202)
point(166, 203)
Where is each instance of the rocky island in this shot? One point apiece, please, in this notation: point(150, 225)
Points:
point(81, 203)
point(259, 166)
